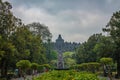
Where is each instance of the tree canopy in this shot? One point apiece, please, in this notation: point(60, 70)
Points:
point(113, 29)
point(18, 42)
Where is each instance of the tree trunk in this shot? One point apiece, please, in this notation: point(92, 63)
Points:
point(3, 68)
point(118, 63)
point(118, 66)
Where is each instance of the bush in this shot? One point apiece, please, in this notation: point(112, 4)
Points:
point(47, 66)
point(40, 68)
point(44, 67)
point(106, 60)
point(3, 79)
point(34, 66)
point(67, 75)
point(23, 64)
point(91, 66)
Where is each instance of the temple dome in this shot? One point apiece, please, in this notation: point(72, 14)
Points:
point(59, 39)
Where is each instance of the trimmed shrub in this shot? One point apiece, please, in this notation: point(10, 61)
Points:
point(91, 66)
point(34, 66)
point(47, 66)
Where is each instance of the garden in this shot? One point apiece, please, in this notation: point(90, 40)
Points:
point(67, 75)
point(27, 49)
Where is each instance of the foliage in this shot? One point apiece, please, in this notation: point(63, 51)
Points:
point(53, 55)
point(40, 30)
point(47, 66)
point(23, 64)
point(96, 47)
point(85, 52)
point(105, 48)
point(43, 67)
point(67, 75)
point(69, 60)
point(17, 42)
point(91, 66)
point(106, 60)
point(53, 63)
point(34, 66)
point(107, 65)
point(50, 53)
point(8, 24)
point(6, 49)
point(113, 28)
point(19, 38)
point(40, 68)
point(28, 46)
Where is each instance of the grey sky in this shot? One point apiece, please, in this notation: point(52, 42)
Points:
point(75, 20)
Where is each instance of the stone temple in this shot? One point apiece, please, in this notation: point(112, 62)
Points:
point(60, 46)
point(64, 46)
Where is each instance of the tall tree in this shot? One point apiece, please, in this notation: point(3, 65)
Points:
point(20, 38)
point(40, 30)
point(28, 45)
point(8, 24)
point(85, 52)
point(44, 33)
point(113, 28)
point(104, 48)
point(7, 50)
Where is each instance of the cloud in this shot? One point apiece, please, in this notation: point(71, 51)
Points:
point(69, 22)
point(74, 20)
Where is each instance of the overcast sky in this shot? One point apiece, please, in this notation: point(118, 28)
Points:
point(75, 20)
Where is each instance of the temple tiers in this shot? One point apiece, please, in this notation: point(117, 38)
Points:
point(64, 46)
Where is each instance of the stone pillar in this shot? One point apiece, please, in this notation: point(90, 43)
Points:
point(60, 64)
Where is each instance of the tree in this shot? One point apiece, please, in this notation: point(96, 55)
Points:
point(43, 32)
point(23, 65)
point(8, 24)
point(85, 52)
point(81, 54)
point(96, 47)
point(113, 29)
point(20, 38)
point(28, 45)
point(17, 42)
point(69, 60)
point(107, 62)
point(7, 50)
point(104, 48)
point(40, 30)
point(34, 67)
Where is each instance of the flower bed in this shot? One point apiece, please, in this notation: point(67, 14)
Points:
point(67, 75)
